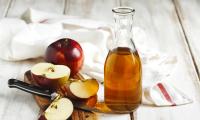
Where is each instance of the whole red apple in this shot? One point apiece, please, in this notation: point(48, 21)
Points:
point(66, 52)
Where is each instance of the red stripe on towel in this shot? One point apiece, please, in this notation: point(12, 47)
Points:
point(165, 93)
point(43, 21)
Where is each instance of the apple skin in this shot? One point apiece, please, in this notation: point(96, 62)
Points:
point(48, 83)
point(67, 92)
point(42, 117)
point(91, 101)
point(66, 52)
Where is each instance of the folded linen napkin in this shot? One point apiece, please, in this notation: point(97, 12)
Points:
point(28, 38)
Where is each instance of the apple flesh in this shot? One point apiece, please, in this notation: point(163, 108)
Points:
point(80, 89)
point(60, 109)
point(50, 76)
point(66, 52)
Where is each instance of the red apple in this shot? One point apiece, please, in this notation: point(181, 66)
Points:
point(49, 75)
point(66, 52)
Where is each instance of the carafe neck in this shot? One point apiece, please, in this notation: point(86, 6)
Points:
point(123, 17)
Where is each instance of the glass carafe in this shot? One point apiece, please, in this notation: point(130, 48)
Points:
point(122, 69)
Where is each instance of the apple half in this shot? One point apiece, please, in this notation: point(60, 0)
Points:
point(80, 89)
point(60, 109)
point(50, 76)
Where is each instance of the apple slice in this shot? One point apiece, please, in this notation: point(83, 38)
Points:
point(60, 109)
point(49, 75)
point(81, 89)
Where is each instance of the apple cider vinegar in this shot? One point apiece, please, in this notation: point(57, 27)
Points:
point(122, 68)
point(122, 79)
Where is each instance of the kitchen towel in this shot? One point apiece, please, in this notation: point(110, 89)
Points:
point(28, 36)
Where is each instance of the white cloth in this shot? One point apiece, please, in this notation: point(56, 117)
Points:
point(28, 38)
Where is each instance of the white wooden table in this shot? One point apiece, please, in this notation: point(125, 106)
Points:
point(174, 28)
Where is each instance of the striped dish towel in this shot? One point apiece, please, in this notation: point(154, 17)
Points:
point(164, 94)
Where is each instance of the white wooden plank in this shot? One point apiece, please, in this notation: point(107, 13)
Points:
point(160, 22)
point(3, 7)
point(190, 19)
point(93, 9)
point(19, 6)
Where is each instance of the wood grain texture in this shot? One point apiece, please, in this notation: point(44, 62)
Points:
point(93, 9)
point(160, 21)
point(4, 5)
point(190, 21)
point(19, 6)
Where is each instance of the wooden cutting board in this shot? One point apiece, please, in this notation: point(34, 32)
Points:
point(43, 103)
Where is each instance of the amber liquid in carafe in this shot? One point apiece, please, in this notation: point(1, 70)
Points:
point(122, 76)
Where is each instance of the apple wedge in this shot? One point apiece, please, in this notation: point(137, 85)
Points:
point(81, 89)
point(50, 76)
point(60, 109)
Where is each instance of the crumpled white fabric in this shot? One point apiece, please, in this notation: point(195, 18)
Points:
point(29, 36)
